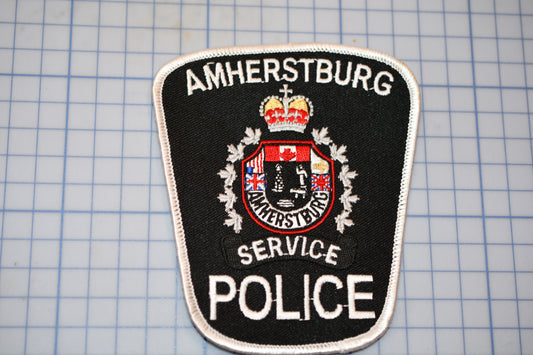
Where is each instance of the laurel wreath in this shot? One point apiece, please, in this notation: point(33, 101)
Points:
point(252, 137)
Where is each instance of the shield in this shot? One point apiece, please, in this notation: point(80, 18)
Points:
point(288, 186)
point(288, 172)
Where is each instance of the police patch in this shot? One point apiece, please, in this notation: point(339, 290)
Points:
point(288, 170)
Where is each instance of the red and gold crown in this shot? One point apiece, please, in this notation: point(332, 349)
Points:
point(286, 113)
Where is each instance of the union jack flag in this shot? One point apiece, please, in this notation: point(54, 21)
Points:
point(320, 182)
point(255, 182)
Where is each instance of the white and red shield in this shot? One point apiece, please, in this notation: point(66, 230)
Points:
point(288, 186)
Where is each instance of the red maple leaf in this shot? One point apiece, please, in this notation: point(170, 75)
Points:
point(287, 155)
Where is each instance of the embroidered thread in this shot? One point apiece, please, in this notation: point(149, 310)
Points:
point(228, 198)
point(346, 176)
point(283, 114)
point(319, 292)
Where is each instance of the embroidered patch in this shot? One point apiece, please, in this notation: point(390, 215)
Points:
point(288, 170)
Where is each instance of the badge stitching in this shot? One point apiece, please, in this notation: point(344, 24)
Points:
point(280, 120)
point(348, 344)
point(252, 137)
point(287, 145)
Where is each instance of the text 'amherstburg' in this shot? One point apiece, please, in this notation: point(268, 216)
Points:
point(219, 74)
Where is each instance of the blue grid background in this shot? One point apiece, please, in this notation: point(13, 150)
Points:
point(87, 258)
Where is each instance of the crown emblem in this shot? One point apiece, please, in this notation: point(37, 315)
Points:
point(286, 113)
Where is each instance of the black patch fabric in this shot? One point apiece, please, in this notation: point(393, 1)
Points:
point(288, 170)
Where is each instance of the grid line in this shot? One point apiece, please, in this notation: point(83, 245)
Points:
point(87, 256)
point(481, 181)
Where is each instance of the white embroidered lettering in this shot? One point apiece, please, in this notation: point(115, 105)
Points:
point(223, 289)
point(357, 76)
point(280, 312)
point(222, 74)
point(193, 83)
point(246, 257)
point(214, 78)
point(290, 69)
point(307, 300)
point(304, 245)
point(306, 62)
point(292, 247)
point(312, 249)
point(386, 86)
point(230, 72)
point(316, 296)
point(338, 67)
point(331, 255)
point(353, 313)
point(324, 67)
point(271, 67)
point(274, 244)
point(250, 313)
point(259, 250)
point(251, 70)
point(214, 297)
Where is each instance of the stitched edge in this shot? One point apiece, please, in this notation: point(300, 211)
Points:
point(345, 345)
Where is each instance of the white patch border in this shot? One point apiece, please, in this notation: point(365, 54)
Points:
point(346, 345)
